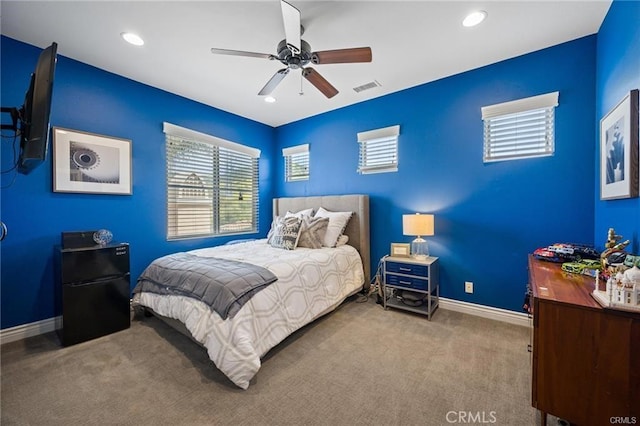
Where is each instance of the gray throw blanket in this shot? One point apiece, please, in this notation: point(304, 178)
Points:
point(224, 285)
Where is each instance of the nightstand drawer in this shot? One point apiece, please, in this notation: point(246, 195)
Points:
point(407, 268)
point(408, 282)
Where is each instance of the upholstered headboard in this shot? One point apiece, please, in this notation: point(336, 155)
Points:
point(357, 228)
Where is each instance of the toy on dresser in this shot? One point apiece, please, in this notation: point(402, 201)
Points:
point(613, 246)
point(623, 289)
point(620, 276)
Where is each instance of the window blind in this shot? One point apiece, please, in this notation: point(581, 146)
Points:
point(520, 129)
point(212, 188)
point(378, 150)
point(296, 163)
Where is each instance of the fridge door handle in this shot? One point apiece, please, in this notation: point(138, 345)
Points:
point(97, 280)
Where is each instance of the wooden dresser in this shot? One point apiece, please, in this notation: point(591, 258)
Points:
point(586, 359)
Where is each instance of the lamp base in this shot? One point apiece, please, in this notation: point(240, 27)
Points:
point(419, 249)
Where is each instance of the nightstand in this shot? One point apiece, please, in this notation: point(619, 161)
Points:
point(416, 275)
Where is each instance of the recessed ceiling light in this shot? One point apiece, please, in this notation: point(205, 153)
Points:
point(132, 38)
point(270, 99)
point(474, 18)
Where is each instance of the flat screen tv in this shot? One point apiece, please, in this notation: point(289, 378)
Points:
point(31, 120)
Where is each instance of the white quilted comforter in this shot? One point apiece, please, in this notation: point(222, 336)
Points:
point(311, 282)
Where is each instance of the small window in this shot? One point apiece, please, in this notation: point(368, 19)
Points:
point(378, 150)
point(212, 185)
point(296, 163)
point(520, 129)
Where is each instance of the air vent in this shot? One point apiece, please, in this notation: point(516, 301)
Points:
point(367, 86)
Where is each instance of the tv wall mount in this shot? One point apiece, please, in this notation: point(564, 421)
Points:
point(16, 114)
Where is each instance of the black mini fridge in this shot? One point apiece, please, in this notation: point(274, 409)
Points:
point(93, 291)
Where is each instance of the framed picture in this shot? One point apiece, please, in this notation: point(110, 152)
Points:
point(619, 150)
point(400, 250)
point(90, 163)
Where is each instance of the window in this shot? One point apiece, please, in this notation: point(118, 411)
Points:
point(296, 163)
point(212, 185)
point(378, 150)
point(520, 129)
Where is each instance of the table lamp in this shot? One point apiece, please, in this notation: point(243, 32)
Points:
point(418, 225)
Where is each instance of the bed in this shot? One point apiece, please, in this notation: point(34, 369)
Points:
point(309, 284)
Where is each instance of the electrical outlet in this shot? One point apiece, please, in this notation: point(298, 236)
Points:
point(468, 287)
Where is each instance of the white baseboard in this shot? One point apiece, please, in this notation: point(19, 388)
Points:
point(45, 326)
point(489, 312)
point(23, 331)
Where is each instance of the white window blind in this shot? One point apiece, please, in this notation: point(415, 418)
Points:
point(296, 163)
point(212, 185)
point(378, 150)
point(520, 129)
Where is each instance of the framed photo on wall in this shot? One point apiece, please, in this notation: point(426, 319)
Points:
point(619, 150)
point(90, 163)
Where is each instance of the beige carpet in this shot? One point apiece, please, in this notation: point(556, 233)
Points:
point(360, 365)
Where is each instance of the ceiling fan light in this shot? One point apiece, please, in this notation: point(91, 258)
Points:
point(474, 18)
point(132, 38)
point(269, 99)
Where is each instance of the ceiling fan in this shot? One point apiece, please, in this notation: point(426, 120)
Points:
point(296, 53)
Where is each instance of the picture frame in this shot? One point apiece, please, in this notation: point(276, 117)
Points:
point(400, 250)
point(86, 162)
point(619, 151)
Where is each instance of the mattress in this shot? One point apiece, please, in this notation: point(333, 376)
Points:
point(311, 283)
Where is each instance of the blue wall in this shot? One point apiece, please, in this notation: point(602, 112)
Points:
point(617, 72)
point(488, 216)
point(92, 100)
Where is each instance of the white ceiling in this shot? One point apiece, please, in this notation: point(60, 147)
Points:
point(413, 42)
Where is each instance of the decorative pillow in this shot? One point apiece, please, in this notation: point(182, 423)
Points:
point(342, 240)
point(299, 215)
point(312, 231)
point(337, 224)
point(285, 233)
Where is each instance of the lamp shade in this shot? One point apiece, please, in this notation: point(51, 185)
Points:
point(417, 224)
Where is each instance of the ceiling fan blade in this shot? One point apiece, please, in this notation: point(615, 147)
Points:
point(342, 56)
point(319, 81)
point(291, 18)
point(275, 80)
point(242, 53)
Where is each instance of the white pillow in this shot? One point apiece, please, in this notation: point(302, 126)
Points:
point(300, 214)
point(274, 224)
point(337, 224)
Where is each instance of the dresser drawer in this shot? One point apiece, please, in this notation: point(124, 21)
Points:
point(407, 268)
point(407, 282)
